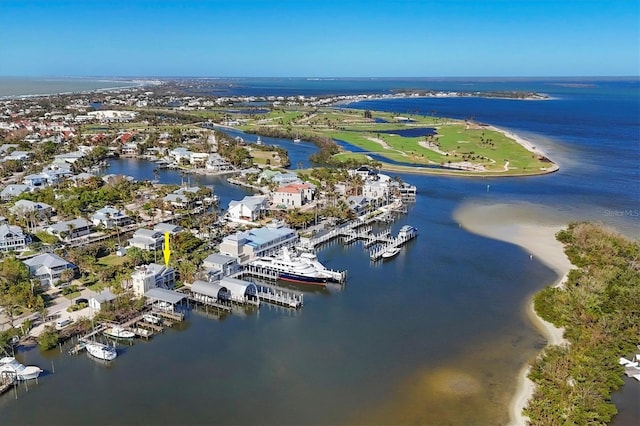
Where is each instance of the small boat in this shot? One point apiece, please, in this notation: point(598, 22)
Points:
point(150, 318)
point(101, 351)
point(390, 252)
point(10, 365)
point(297, 139)
point(117, 332)
point(259, 141)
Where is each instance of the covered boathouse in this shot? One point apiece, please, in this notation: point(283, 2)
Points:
point(241, 291)
point(165, 300)
point(206, 292)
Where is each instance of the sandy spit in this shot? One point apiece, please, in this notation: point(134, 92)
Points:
point(533, 229)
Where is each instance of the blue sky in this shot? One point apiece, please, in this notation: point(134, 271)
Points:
point(320, 38)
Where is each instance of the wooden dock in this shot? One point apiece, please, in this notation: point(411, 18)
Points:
point(7, 380)
point(280, 296)
point(395, 242)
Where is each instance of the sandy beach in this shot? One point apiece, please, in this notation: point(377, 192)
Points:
point(534, 230)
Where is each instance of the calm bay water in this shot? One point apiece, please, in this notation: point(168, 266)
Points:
point(23, 86)
point(436, 336)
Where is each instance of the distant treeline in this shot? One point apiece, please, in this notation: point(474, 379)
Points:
point(599, 307)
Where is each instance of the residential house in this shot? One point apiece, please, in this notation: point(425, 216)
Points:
point(216, 163)
point(180, 199)
point(13, 190)
point(167, 227)
point(293, 195)
point(35, 180)
point(150, 276)
point(101, 299)
point(357, 203)
point(218, 265)
point(110, 217)
point(48, 268)
point(248, 209)
point(12, 238)
point(375, 190)
point(25, 207)
point(147, 239)
point(70, 229)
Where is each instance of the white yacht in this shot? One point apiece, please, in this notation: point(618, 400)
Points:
point(390, 252)
point(303, 269)
point(10, 365)
point(118, 332)
point(101, 351)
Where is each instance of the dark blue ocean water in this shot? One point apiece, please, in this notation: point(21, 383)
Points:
point(435, 336)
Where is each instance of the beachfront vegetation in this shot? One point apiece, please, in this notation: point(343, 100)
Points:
point(599, 307)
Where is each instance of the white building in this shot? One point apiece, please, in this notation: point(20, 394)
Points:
point(293, 195)
point(248, 209)
point(48, 267)
point(110, 217)
point(258, 242)
point(147, 239)
point(150, 276)
point(12, 238)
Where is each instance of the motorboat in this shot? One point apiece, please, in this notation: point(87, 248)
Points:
point(150, 318)
point(101, 351)
point(117, 332)
point(9, 365)
point(390, 252)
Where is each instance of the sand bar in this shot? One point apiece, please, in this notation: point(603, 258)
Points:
point(534, 230)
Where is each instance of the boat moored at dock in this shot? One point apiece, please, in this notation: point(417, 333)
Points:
point(10, 365)
point(101, 351)
point(302, 269)
point(117, 332)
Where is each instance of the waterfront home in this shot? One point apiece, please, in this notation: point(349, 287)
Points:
point(180, 154)
point(293, 195)
point(181, 199)
point(147, 239)
point(167, 227)
point(277, 177)
point(258, 242)
point(249, 208)
point(48, 267)
point(216, 163)
point(12, 238)
point(357, 203)
point(375, 190)
point(70, 229)
point(110, 217)
point(81, 179)
point(129, 149)
point(101, 299)
point(150, 276)
point(218, 265)
point(13, 190)
point(26, 207)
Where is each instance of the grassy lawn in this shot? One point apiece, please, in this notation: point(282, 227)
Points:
point(112, 260)
point(96, 287)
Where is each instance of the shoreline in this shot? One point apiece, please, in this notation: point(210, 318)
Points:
point(537, 236)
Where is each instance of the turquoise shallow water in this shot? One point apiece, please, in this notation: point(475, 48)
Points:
point(435, 336)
